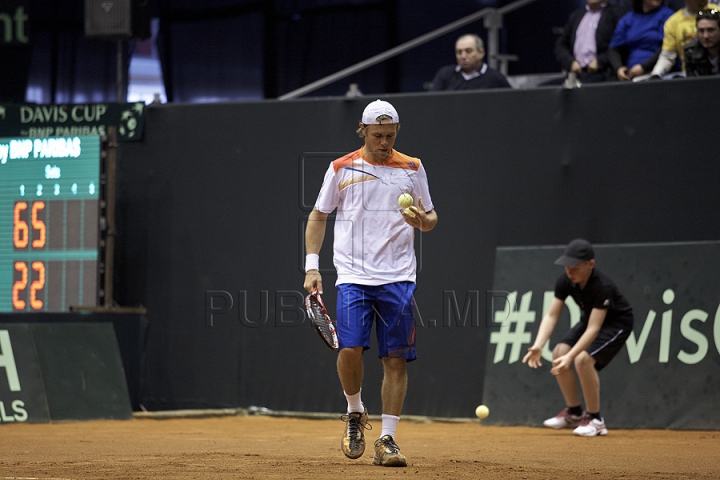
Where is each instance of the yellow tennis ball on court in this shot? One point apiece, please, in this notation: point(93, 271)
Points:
point(482, 411)
point(405, 200)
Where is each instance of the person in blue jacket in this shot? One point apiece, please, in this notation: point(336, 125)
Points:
point(636, 43)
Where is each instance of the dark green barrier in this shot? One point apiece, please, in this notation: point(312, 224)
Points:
point(64, 371)
point(215, 197)
point(22, 393)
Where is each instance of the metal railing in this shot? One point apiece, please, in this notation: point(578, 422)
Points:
point(492, 21)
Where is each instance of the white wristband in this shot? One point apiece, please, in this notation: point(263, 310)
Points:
point(312, 262)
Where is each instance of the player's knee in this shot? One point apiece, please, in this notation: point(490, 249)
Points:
point(560, 350)
point(394, 365)
point(351, 354)
point(584, 360)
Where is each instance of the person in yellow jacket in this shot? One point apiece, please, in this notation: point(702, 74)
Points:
point(679, 29)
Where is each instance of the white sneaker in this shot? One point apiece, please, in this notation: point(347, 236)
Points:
point(564, 420)
point(591, 428)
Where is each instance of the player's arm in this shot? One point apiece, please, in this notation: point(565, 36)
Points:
point(314, 236)
point(597, 317)
point(547, 325)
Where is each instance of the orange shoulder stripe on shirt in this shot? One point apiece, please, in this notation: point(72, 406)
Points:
point(406, 162)
point(345, 161)
point(398, 160)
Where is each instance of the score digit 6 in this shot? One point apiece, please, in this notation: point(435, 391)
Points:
point(21, 230)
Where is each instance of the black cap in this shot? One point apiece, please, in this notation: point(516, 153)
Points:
point(577, 251)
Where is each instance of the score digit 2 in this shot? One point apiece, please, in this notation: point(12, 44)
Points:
point(21, 241)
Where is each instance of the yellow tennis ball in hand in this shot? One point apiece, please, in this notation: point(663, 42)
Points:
point(482, 412)
point(405, 200)
point(409, 212)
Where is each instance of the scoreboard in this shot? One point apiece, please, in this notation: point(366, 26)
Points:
point(50, 207)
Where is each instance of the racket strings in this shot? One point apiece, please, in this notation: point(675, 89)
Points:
point(321, 321)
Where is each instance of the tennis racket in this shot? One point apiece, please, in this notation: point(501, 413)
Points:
point(320, 319)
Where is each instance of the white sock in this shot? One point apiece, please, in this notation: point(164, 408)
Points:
point(354, 402)
point(389, 425)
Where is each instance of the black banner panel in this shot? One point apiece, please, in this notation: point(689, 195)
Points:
point(64, 371)
point(668, 373)
point(82, 370)
point(22, 393)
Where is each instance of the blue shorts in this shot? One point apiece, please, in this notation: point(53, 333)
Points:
point(390, 306)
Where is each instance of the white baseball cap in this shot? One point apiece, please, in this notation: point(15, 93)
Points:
point(376, 109)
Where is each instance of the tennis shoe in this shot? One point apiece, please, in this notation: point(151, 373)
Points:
point(353, 441)
point(387, 453)
point(591, 427)
point(565, 419)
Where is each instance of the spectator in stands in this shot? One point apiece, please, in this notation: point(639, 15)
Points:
point(679, 29)
point(471, 72)
point(635, 46)
point(701, 53)
point(582, 49)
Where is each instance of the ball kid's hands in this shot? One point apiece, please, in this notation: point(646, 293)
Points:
point(560, 364)
point(313, 280)
point(418, 216)
point(532, 357)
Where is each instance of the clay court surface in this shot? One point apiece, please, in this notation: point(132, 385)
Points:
point(261, 447)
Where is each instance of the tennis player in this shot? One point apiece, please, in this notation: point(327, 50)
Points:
point(605, 325)
point(374, 255)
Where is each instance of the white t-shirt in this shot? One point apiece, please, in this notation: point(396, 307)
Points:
point(373, 243)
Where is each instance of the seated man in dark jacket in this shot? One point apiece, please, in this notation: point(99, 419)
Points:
point(701, 53)
point(582, 49)
point(471, 72)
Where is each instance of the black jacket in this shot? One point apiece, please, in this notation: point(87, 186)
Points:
point(603, 35)
point(697, 60)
